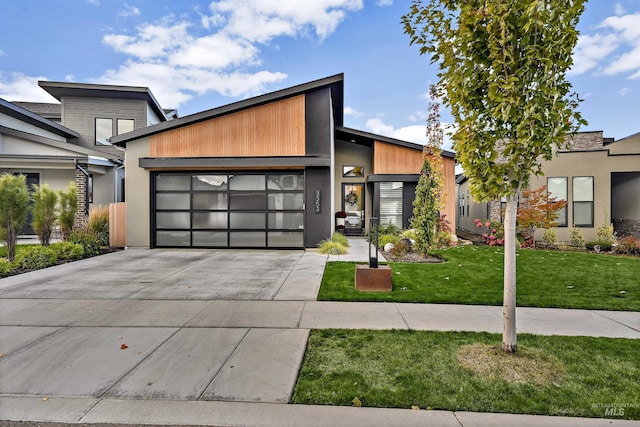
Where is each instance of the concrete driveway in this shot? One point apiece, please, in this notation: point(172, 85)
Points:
point(147, 324)
point(162, 274)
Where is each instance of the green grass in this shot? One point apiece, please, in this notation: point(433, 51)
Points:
point(405, 368)
point(3, 249)
point(473, 275)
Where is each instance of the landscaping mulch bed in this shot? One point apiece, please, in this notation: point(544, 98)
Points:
point(411, 257)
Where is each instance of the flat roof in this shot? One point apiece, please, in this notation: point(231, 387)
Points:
point(61, 89)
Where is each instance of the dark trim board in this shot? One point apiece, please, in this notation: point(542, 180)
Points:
point(394, 178)
point(232, 162)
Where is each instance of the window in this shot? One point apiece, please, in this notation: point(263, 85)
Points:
point(104, 131)
point(557, 187)
point(391, 203)
point(352, 171)
point(90, 188)
point(583, 201)
point(468, 203)
point(125, 125)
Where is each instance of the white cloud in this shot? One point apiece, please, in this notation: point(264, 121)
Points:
point(349, 111)
point(590, 50)
point(384, 2)
point(410, 133)
point(69, 77)
point(176, 60)
point(619, 9)
point(418, 116)
point(94, 2)
point(18, 87)
point(613, 49)
point(129, 11)
point(2, 53)
point(624, 91)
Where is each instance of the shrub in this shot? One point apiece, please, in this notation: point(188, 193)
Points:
point(67, 251)
point(605, 231)
point(388, 229)
point(494, 235)
point(5, 267)
point(44, 212)
point(340, 238)
point(549, 237)
point(628, 245)
point(576, 239)
point(98, 223)
point(444, 239)
point(383, 239)
point(330, 247)
point(88, 241)
point(68, 209)
point(599, 246)
point(408, 234)
point(14, 207)
point(36, 257)
point(401, 248)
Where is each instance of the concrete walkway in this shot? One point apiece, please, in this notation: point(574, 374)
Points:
point(158, 353)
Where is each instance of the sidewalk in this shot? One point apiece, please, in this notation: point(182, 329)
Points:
point(229, 362)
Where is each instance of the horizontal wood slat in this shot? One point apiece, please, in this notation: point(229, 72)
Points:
point(274, 129)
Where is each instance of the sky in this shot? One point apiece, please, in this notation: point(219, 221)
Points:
point(201, 54)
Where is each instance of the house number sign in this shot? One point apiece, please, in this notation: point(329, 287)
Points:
point(317, 201)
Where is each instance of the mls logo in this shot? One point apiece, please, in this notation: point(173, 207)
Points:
point(614, 412)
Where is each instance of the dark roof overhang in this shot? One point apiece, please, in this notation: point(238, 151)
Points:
point(335, 83)
point(34, 119)
point(409, 177)
point(367, 138)
point(61, 89)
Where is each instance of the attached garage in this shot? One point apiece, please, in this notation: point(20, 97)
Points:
point(228, 210)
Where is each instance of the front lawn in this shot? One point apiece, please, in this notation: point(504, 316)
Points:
point(473, 275)
point(550, 375)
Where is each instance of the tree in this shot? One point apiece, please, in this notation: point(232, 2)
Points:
point(44, 212)
point(427, 204)
point(14, 206)
point(68, 209)
point(502, 67)
point(538, 210)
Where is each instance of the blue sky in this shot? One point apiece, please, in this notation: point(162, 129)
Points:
point(197, 55)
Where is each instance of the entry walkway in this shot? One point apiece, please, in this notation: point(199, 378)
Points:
point(222, 362)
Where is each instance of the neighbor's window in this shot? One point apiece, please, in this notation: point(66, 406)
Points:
point(352, 170)
point(391, 203)
point(583, 201)
point(557, 187)
point(104, 131)
point(125, 125)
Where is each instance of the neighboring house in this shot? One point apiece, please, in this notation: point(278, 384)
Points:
point(270, 171)
point(598, 177)
point(55, 144)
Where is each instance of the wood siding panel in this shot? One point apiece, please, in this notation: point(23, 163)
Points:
point(274, 129)
point(394, 159)
point(117, 224)
point(448, 169)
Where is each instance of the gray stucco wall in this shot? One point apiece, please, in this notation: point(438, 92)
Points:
point(137, 197)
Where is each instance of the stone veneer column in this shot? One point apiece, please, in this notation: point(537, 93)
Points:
point(494, 210)
point(82, 183)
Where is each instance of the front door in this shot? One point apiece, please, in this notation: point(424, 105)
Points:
point(353, 206)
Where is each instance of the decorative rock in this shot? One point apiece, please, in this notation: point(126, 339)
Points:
point(389, 247)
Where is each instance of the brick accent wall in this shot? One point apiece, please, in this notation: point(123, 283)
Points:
point(82, 183)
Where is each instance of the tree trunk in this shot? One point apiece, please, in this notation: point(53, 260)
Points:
point(509, 299)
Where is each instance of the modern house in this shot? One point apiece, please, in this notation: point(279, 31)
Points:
point(58, 143)
point(598, 177)
point(267, 172)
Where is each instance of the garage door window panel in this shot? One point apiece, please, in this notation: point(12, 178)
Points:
point(285, 239)
point(247, 239)
point(173, 183)
point(175, 220)
point(248, 201)
point(210, 220)
point(172, 201)
point(173, 238)
point(209, 182)
point(210, 201)
point(210, 239)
